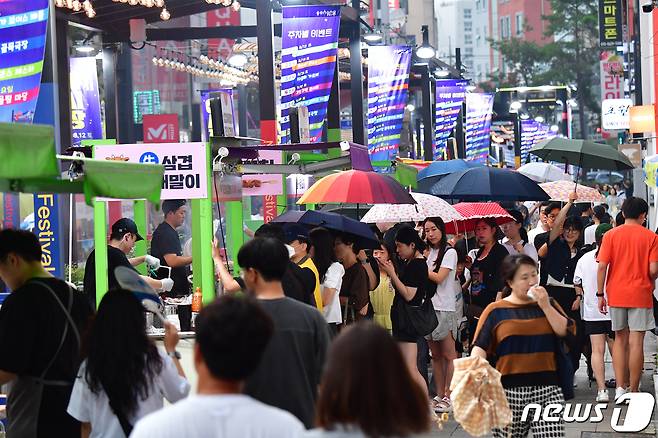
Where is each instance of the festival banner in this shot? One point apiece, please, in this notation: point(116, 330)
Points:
point(86, 123)
point(308, 59)
point(479, 109)
point(11, 214)
point(450, 95)
point(22, 43)
point(388, 89)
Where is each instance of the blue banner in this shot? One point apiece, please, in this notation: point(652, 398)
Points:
point(532, 132)
point(450, 94)
point(86, 120)
point(388, 89)
point(308, 59)
point(23, 27)
point(479, 109)
point(46, 227)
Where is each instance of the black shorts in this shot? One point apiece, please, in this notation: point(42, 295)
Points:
point(599, 328)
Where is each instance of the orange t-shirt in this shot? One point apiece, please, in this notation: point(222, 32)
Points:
point(628, 250)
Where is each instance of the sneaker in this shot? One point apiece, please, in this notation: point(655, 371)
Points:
point(619, 392)
point(602, 396)
point(443, 405)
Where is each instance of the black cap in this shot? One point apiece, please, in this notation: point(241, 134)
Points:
point(124, 226)
point(295, 232)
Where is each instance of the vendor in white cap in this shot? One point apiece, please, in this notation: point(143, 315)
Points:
point(122, 241)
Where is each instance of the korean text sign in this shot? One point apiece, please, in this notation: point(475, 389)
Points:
point(185, 175)
point(86, 123)
point(22, 43)
point(308, 60)
point(388, 89)
point(450, 95)
point(610, 23)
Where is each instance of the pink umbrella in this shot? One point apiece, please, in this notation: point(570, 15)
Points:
point(560, 190)
point(473, 212)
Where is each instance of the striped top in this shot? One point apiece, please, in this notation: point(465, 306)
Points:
point(520, 341)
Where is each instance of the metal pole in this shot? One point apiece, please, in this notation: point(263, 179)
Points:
point(358, 121)
point(266, 95)
point(517, 140)
point(242, 110)
point(426, 81)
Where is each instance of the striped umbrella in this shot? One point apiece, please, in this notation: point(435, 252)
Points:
point(356, 187)
point(559, 191)
point(427, 206)
point(473, 212)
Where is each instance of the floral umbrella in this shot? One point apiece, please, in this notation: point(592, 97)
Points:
point(427, 206)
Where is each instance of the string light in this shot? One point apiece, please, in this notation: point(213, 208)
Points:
point(77, 6)
point(204, 67)
point(165, 15)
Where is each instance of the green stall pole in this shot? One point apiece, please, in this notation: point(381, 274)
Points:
point(234, 232)
point(139, 208)
point(100, 245)
point(202, 237)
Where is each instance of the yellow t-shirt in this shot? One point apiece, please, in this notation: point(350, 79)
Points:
point(382, 300)
point(316, 293)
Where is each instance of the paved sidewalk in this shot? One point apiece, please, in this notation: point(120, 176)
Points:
point(585, 394)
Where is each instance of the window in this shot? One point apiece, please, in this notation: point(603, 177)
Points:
point(468, 51)
point(505, 31)
point(467, 14)
point(468, 39)
point(519, 24)
point(468, 26)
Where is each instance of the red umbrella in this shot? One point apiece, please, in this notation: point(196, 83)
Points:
point(473, 212)
point(356, 187)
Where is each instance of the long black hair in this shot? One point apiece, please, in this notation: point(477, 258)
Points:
point(518, 218)
point(407, 235)
point(121, 360)
point(443, 243)
point(323, 250)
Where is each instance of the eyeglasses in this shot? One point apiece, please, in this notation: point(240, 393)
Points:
point(572, 230)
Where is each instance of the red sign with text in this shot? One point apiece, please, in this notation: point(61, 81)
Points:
point(221, 47)
point(161, 128)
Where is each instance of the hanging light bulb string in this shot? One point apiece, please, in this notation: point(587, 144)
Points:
point(77, 6)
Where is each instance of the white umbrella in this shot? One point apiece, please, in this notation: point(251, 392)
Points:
point(427, 206)
point(543, 172)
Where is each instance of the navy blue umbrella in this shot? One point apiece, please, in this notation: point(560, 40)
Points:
point(488, 184)
point(365, 238)
point(433, 173)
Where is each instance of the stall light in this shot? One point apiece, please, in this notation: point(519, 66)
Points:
point(133, 2)
point(238, 59)
point(554, 128)
point(165, 15)
point(524, 117)
point(373, 37)
point(85, 48)
point(236, 6)
point(440, 73)
point(59, 3)
point(539, 119)
point(159, 3)
point(425, 51)
point(515, 106)
point(76, 5)
point(411, 108)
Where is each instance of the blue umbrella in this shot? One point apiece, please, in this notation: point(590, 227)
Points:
point(332, 221)
point(489, 184)
point(433, 173)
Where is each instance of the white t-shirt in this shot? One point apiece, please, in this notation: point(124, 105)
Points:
point(590, 234)
point(87, 407)
point(586, 271)
point(333, 279)
point(528, 249)
point(219, 416)
point(446, 291)
point(539, 229)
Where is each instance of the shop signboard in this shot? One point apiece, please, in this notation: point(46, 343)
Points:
point(23, 27)
point(86, 123)
point(450, 95)
point(642, 119)
point(388, 91)
point(615, 114)
point(185, 167)
point(308, 60)
point(161, 128)
point(610, 23)
point(611, 69)
point(479, 110)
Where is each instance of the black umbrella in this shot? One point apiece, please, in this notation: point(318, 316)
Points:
point(489, 184)
point(582, 153)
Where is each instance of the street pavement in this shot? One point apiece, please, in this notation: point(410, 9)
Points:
point(585, 394)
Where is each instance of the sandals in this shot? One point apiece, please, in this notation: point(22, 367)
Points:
point(442, 405)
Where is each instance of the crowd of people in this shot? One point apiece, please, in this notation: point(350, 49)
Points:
point(321, 337)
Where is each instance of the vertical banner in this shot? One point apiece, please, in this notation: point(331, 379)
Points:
point(610, 23)
point(11, 217)
point(161, 128)
point(46, 226)
point(388, 89)
point(611, 67)
point(308, 59)
point(22, 43)
point(479, 109)
point(450, 95)
point(205, 111)
point(86, 123)
point(528, 132)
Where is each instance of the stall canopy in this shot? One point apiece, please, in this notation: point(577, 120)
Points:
point(29, 164)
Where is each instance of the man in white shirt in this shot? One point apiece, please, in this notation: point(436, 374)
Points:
point(542, 224)
point(231, 336)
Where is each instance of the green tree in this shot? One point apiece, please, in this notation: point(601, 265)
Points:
point(570, 59)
